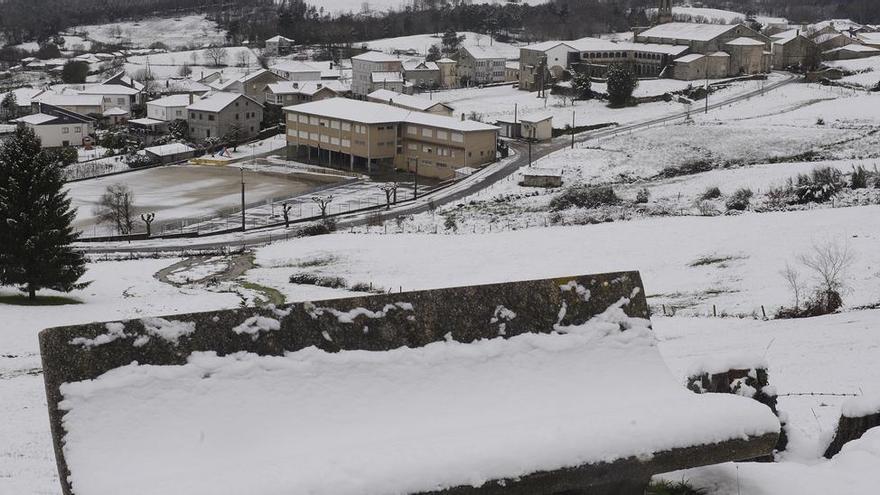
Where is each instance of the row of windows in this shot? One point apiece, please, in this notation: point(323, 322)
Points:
point(641, 55)
point(76, 130)
point(440, 150)
point(438, 134)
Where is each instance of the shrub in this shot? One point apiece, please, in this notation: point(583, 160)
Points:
point(643, 195)
point(325, 227)
point(620, 83)
point(689, 167)
point(711, 193)
point(706, 208)
point(818, 186)
point(777, 197)
point(859, 178)
point(739, 200)
point(584, 196)
point(664, 487)
point(820, 121)
point(312, 279)
point(450, 222)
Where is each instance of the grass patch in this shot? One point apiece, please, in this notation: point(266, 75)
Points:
point(320, 281)
point(664, 487)
point(22, 300)
point(270, 295)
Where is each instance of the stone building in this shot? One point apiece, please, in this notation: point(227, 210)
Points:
point(481, 65)
point(365, 65)
point(699, 38)
point(217, 115)
point(448, 72)
point(422, 74)
point(795, 51)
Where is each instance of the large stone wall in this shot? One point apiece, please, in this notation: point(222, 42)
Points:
point(410, 319)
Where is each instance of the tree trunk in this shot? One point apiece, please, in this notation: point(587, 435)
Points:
point(32, 292)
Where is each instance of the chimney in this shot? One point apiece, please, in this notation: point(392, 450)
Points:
point(462, 116)
point(331, 65)
point(191, 99)
point(320, 85)
point(296, 85)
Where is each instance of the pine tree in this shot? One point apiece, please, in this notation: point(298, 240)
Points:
point(35, 220)
point(621, 84)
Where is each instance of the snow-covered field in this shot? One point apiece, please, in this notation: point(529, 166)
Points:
point(375, 6)
point(867, 70)
point(422, 42)
point(175, 32)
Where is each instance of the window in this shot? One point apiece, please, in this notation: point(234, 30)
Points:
point(426, 149)
point(325, 139)
point(346, 143)
point(65, 130)
point(334, 124)
point(442, 135)
point(457, 137)
point(323, 122)
point(236, 116)
point(313, 136)
point(192, 115)
point(314, 120)
point(201, 116)
point(303, 119)
point(412, 130)
point(77, 130)
point(427, 133)
point(412, 147)
point(346, 126)
point(210, 116)
point(121, 101)
point(304, 134)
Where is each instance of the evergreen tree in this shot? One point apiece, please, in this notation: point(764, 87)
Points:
point(35, 220)
point(621, 84)
point(451, 41)
point(582, 85)
point(9, 106)
point(434, 54)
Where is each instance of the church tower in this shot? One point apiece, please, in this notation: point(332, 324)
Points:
point(664, 13)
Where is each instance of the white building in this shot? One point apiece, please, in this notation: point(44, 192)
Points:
point(481, 64)
point(57, 127)
point(363, 67)
point(279, 45)
point(169, 108)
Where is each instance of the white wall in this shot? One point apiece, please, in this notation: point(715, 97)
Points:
point(54, 136)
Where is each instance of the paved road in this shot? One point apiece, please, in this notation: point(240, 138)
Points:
point(451, 194)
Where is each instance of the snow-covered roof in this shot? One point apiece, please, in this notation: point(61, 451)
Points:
point(36, 119)
point(403, 100)
point(223, 85)
point(171, 101)
point(446, 60)
point(169, 149)
point(277, 38)
point(535, 118)
point(391, 77)
point(304, 87)
point(419, 65)
point(744, 41)
point(837, 24)
point(693, 57)
point(115, 111)
point(719, 54)
point(109, 89)
point(294, 66)
point(216, 102)
point(542, 172)
point(547, 45)
point(70, 100)
point(687, 31)
point(854, 48)
point(822, 38)
point(791, 33)
point(872, 38)
point(146, 121)
point(484, 52)
point(252, 75)
point(373, 56)
point(369, 112)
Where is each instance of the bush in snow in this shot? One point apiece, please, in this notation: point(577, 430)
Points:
point(584, 196)
point(450, 222)
point(706, 208)
point(643, 195)
point(312, 279)
point(818, 186)
point(711, 193)
point(828, 264)
point(663, 487)
point(739, 200)
point(859, 178)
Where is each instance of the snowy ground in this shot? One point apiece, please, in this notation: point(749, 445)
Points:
point(422, 42)
point(500, 103)
point(867, 71)
point(165, 65)
point(176, 32)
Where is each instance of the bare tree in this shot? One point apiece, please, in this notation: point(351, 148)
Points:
point(116, 206)
point(829, 263)
point(243, 58)
point(390, 190)
point(323, 202)
point(195, 57)
point(184, 70)
point(216, 54)
point(795, 284)
point(148, 218)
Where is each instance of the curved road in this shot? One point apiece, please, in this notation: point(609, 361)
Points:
point(467, 187)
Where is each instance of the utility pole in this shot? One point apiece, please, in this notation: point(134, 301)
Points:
point(572, 129)
point(416, 181)
point(707, 84)
point(242, 198)
point(530, 150)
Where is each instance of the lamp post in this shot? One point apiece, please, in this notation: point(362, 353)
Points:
point(242, 198)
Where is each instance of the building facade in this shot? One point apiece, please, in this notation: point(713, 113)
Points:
point(363, 67)
point(57, 127)
point(220, 114)
point(481, 65)
point(371, 136)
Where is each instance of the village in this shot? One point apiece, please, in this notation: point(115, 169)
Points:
point(414, 262)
